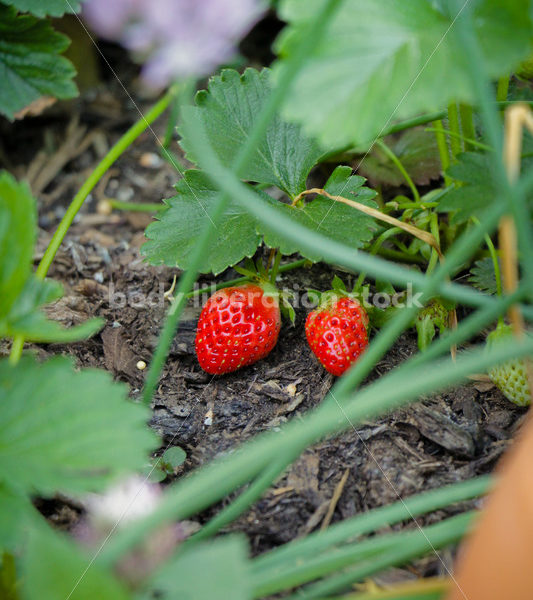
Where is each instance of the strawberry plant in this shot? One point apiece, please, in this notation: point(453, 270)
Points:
point(274, 153)
point(228, 110)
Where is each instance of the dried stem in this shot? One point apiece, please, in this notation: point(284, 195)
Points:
point(517, 117)
point(425, 236)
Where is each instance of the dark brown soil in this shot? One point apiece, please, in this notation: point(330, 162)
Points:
point(447, 438)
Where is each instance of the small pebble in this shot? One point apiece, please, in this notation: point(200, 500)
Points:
point(125, 194)
point(291, 389)
point(150, 160)
point(104, 207)
point(208, 419)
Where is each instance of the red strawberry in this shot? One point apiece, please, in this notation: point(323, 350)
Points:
point(237, 327)
point(337, 332)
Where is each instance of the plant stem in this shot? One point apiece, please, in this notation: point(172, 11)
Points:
point(495, 262)
point(497, 274)
point(470, 141)
point(275, 267)
point(442, 145)
point(453, 118)
point(410, 123)
point(397, 162)
point(114, 153)
point(400, 256)
point(374, 250)
point(171, 122)
point(136, 206)
point(16, 349)
point(416, 205)
point(502, 89)
point(434, 227)
point(467, 125)
point(271, 255)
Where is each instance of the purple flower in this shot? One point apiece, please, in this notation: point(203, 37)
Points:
point(175, 38)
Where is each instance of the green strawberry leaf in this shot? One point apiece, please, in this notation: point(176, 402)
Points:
point(229, 109)
point(35, 327)
point(380, 61)
point(482, 276)
point(21, 294)
point(17, 236)
point(156, 472)
point(338, 284)
point(286, 307)
point(30, 62)
point(24, 318)
point(54, 567)
point(172, 237)
point(418, 153)
point(42, 8)
point(333, 219)
point(17, 514)
point(58, 428)
point(225, 559)
point(476, 192)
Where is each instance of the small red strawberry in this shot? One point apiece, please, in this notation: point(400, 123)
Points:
point(337, 332)
point(237, 327)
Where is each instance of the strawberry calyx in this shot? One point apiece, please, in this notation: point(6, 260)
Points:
point(502, 332)
point(258, 275)
point(328, 300)
point(269, 290)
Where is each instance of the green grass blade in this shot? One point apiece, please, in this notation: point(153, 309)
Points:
point(368, 522)
point(214, 481)
point(418, 543)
